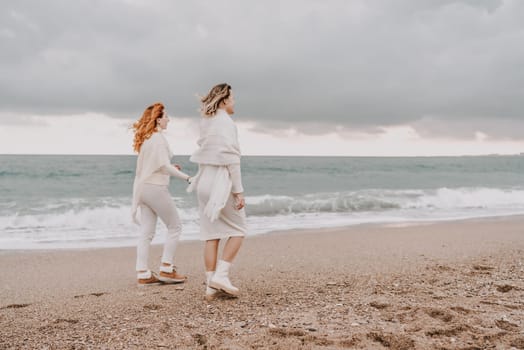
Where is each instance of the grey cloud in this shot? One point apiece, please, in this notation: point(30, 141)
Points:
point(350, 64)
point(467, 128)
point(17, 119)
point(313, 128)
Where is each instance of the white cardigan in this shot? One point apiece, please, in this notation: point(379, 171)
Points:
point(218, 146)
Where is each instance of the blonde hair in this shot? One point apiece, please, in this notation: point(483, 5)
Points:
point(146, 125)
point(211, 102)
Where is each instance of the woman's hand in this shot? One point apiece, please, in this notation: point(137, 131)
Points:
point(240, 202)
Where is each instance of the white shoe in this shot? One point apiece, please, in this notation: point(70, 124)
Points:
point(211, 293)
point(220, 280)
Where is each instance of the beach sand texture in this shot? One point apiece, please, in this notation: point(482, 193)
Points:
point(449, 285)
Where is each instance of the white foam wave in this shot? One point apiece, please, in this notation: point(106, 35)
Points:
point(447, 198)
point(110, 224)
point(86, 227)
point(386, 200)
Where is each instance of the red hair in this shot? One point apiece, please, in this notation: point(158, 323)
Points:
point(146, 125)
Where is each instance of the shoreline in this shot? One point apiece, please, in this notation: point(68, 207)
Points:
point(384, 224)
point(445, 285)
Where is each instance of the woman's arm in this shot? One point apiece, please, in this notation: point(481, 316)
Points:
point(236, 178)
point(173, 171)
point(237, 189)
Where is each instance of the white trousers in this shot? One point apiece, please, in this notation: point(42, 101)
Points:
point(155, 201)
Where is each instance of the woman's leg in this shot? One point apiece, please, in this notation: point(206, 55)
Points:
point(147, 232)
point(162, 204)
point(159, 200)
point(231, 248)
point(211, 254)
point(210, 262)
point(169, 215)
point(220, 280)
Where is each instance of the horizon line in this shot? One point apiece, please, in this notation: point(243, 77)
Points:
point(276, 155)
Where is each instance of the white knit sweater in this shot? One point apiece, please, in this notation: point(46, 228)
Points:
point(219, 147)
point(152, 166)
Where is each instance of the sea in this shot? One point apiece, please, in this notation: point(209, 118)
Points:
point(72, 201)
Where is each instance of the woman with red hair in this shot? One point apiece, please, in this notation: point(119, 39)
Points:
point(151, 195)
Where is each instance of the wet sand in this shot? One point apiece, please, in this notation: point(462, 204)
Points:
point(452, 285)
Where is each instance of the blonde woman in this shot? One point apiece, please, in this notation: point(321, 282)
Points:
point(218, 184)
point(151, 195)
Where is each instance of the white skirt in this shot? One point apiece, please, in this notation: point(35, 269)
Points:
point(230, 223)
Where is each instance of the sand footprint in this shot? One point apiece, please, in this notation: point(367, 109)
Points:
point(506, 325)
point(379, 304)
point(304, 336)
point(518, 343)
point(505, 288)
point(448, 331)
point(482, 268)
point(65, 320)
point(392, 341)
point(98, 294)
point(152, 307)
point(14, 306)
point(460, 310)
point(439, 314)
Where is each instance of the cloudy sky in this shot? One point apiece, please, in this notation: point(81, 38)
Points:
point(348, 77)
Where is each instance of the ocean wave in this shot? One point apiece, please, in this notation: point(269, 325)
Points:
point(384, 200)
point(372, 200)
point(317, 203)
point(63, 173)
point(107, 220)
point(102, 217)
point(90, 224)
point(463, 198)
point(6, 173)
point(35, 175)
point(124, 172)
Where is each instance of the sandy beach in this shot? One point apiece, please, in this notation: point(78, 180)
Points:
point(448, 285)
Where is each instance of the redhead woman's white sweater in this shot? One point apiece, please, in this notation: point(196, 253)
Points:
point(153, 166)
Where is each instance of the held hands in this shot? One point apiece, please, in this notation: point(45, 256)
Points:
point(179, 168)
point(240, 202)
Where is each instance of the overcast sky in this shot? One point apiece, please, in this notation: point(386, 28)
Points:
point(348, 77)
